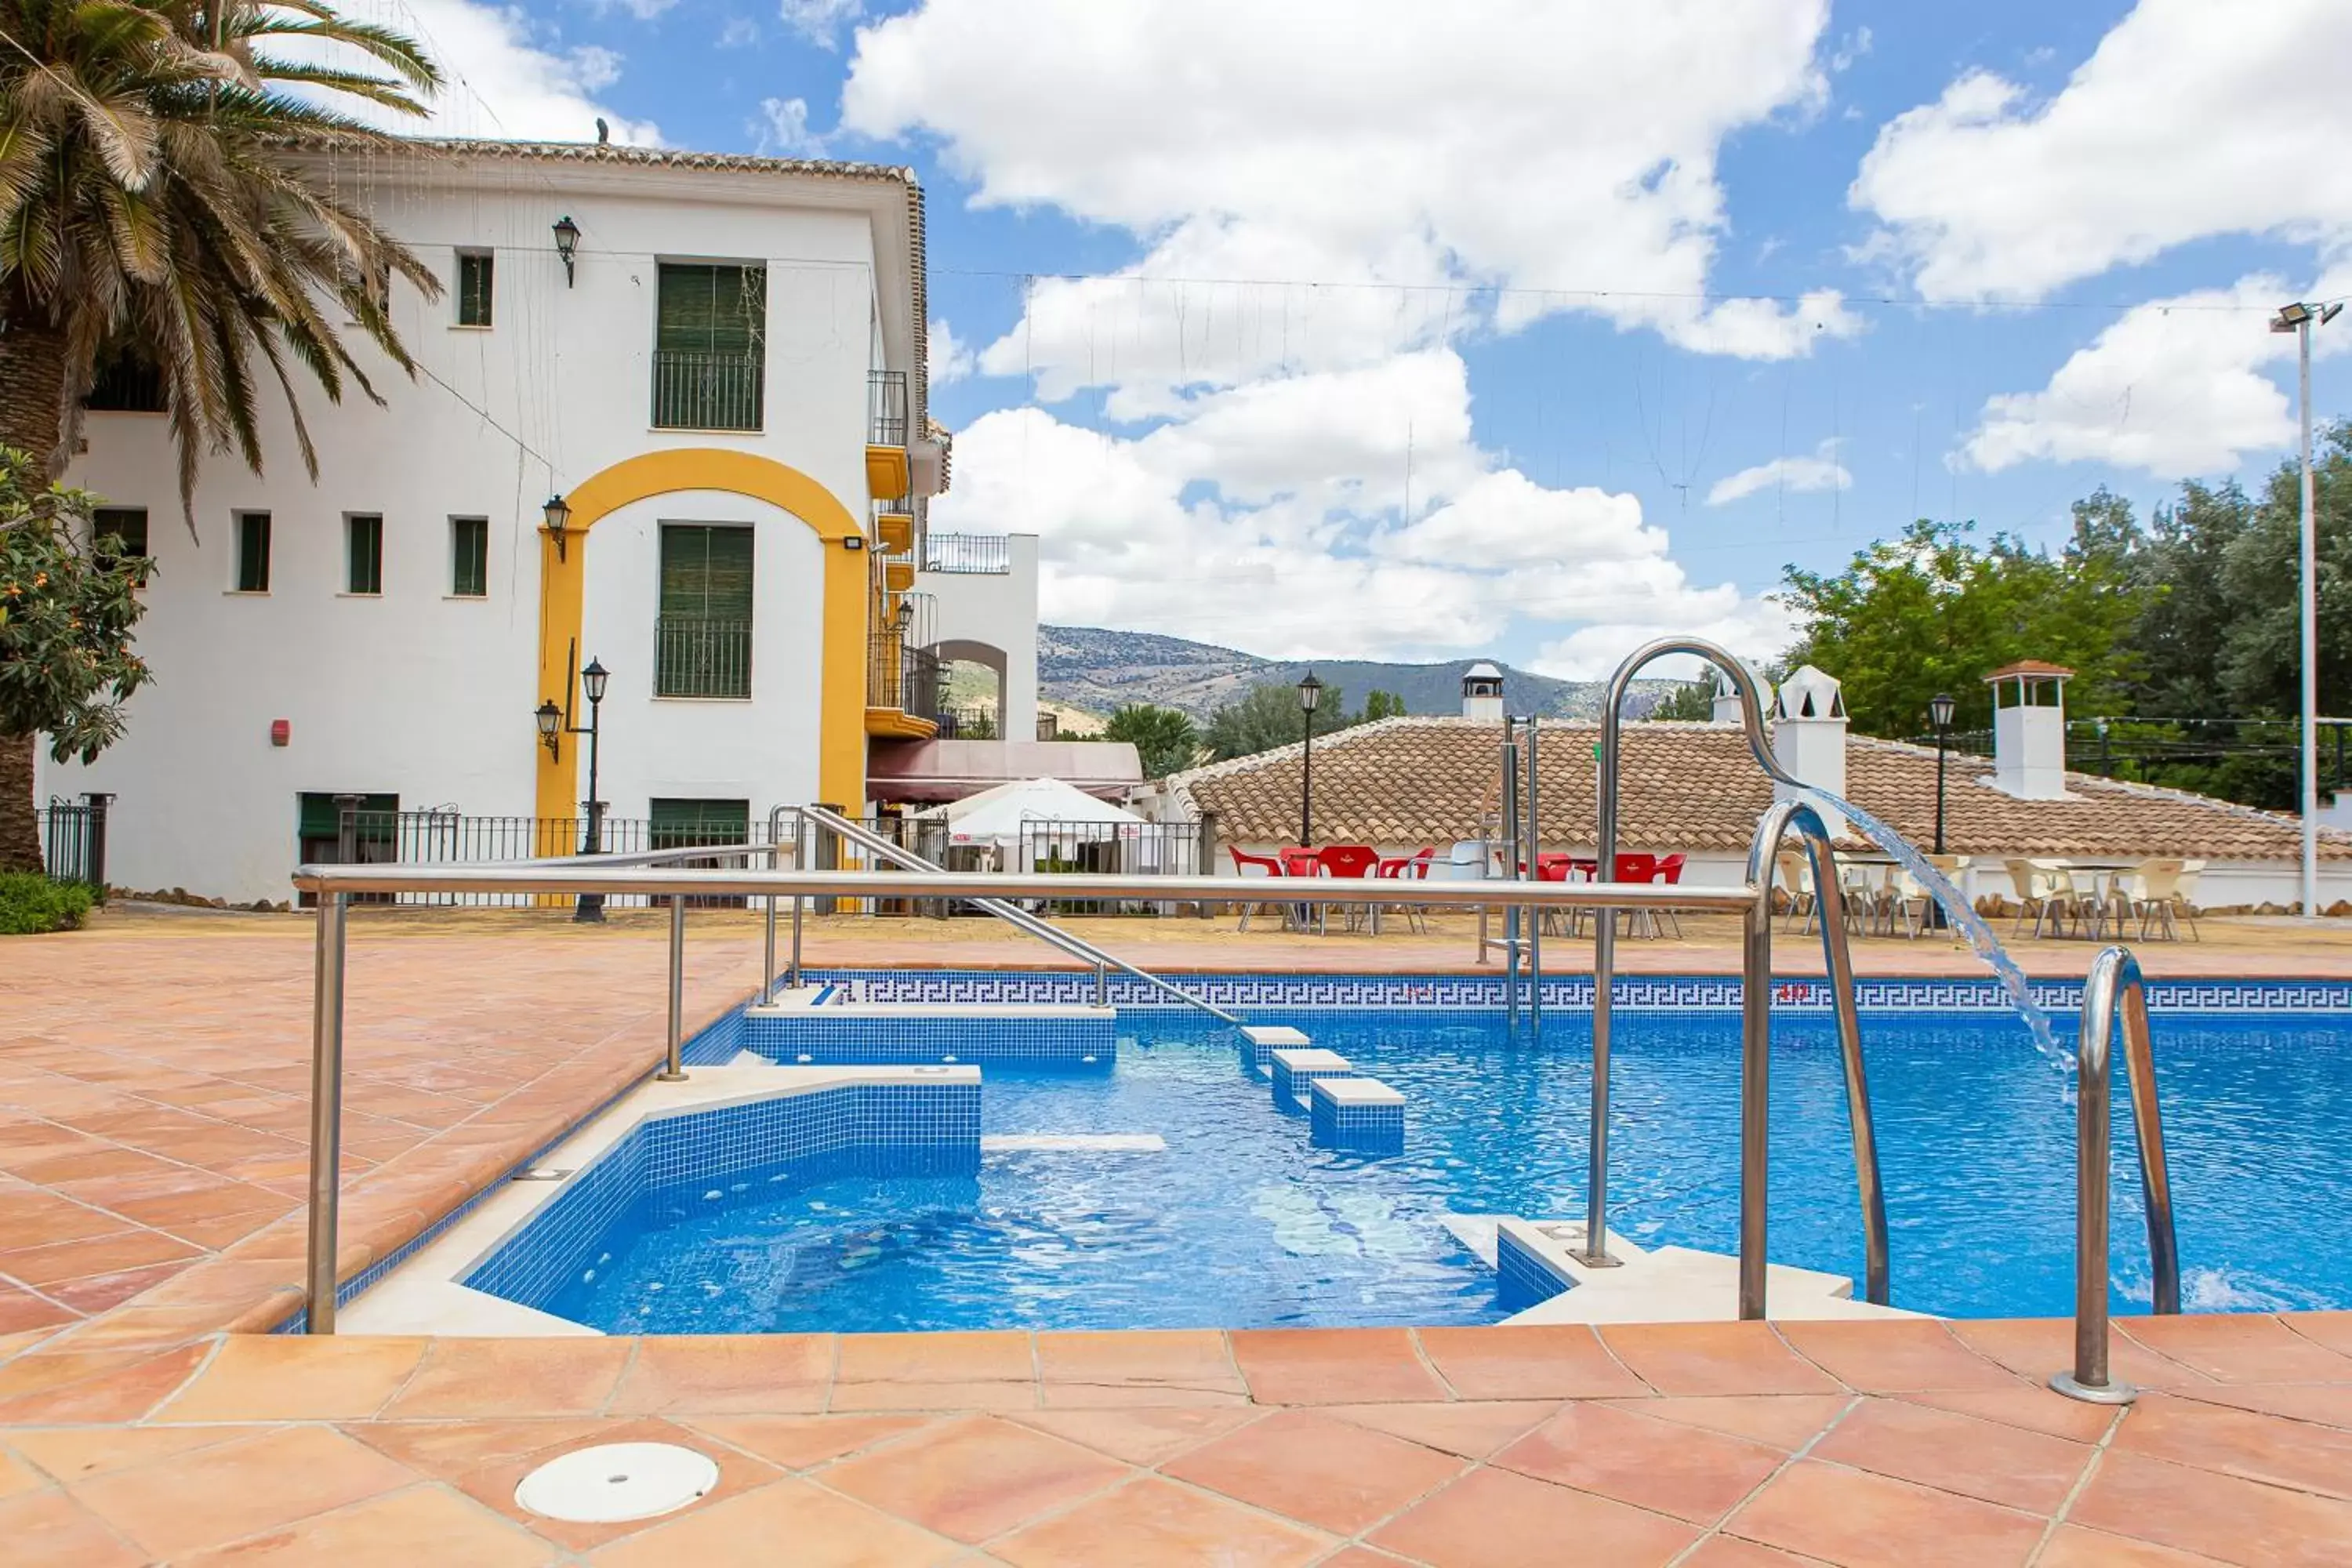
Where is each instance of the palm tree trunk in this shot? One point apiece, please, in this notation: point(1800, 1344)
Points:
point(32, 377)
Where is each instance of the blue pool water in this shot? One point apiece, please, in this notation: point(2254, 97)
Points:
point(1240, 1223)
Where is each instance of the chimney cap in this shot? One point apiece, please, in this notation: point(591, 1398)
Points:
point(1810, 693)
point(1482, 670)
point(2031, 668)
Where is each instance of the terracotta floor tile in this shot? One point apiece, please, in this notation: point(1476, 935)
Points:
point(33, 1218)
point(424, 1524)
point(1493, 1519)
point(183, 1504)
point(100, 1292)
point(1783, 1421)
point(2327, 1405)
point(2222, 1516)
point(449, 1451)
point(2332, 1329)
point(974, 1478)
point(72, 1387)
point(1361, 1557)
point(61, 1260)
point(796, 1442)
point(2030, 1471)
point(1333, 1366)
point(787, 1521)
point(294, 1377)
point(21, 1311)
point(1154, 1524)
point(2238, 1347)
point(77, 1453)
point(1306, 1466)
point(1144, 1436)
point(17, 1476)
point(933, 1395)
point(2033, 1348)
point(1472, 1429)
point(1001, 1355)
point(689, 1373)
point(2073, 1547)
point(512, 1377)
point(1136, 1395)
point(2031, 1409)
point(1184, 1358)
point(1860, 1520)
point(1561, 1361)
point(50, 1530)
point(1730, 1552)
point(1714, 1358)
point(2239, 1443)
point(1658, 1465)
point(1896, 1357)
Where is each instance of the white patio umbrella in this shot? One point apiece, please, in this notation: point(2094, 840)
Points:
point(1001, 815)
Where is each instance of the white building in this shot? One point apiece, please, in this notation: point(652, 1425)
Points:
point(718, 364)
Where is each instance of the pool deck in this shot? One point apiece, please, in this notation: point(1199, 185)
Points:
point(153, 1092)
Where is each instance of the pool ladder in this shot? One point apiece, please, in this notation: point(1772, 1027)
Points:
point(2113, 985)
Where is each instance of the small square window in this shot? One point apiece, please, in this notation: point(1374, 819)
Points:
point(253, 553)
point(117, 532)
point(475, 274)
point(470, 557)
point(363, 534)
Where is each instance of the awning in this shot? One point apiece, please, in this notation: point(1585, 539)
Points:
point(932, 771)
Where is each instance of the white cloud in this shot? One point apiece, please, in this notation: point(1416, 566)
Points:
point(1821, 471)
point(2175, 386)
point(951, 357)
point(504, 80)
point(1272, 516)
point(739, 33)
point(782, 129)
point(642, 10)
point(1569, 146)
point(820, 21)
point(2190, 120)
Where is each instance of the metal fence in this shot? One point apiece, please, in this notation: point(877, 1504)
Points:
point(902, 677)
point(967, 724)
point(696, 656)
point(449, 837)
point(73, 840)
point(970, 555)
point(709, 391)
point(885, 407)
point(1114, 849)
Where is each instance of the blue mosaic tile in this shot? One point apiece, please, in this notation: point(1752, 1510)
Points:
point(829, 1038)
point(1521, 1278)
point(1356, 1128)
point(1290, 1082)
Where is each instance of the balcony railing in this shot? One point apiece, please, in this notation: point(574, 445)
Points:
point(970, 553)
point(885, 407)
point(709, 391)
point(695, 657)
point(967, 724)
point(897, 676)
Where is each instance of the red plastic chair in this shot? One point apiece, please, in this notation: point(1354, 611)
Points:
point(1244, 864)
point(1405, 869)
point(1298, 862)
point(1670, 872)
point(1347, 860)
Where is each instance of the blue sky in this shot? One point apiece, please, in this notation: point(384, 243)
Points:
point(1422, 331)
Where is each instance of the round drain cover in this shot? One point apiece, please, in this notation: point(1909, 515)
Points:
point(617, 1481)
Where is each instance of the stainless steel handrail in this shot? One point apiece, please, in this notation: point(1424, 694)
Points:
point(1756, 1055)
point(1020, 919)
point(2114, 977)
point(1604, 929)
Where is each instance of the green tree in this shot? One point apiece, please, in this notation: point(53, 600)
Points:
point(1693, 702)
point(67, 604)
point(154, 211)
point(1267, 716)
point(1163, 738)
point(1935, 611)
point(1382, 705)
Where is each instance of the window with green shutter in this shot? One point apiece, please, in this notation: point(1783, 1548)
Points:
point(685, 823)
point(711, 329)
point(476, 271)
point(702, 639)
point(470, 557)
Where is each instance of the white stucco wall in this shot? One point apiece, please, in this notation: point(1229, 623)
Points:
point(430, 697)
point(999, 611)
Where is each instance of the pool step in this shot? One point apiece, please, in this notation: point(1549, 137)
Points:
point(838, 1031)
point(1539, 1271)
point(1296, 1068)
point(1260, 1041)
point(1359, 1115)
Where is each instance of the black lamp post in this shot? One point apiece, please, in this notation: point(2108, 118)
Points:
point(567, 244)
point(558, 512)
point(1940, 714)
point(555, 722)
point(1310, 693)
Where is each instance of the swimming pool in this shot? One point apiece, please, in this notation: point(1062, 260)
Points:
point(1239, 1223)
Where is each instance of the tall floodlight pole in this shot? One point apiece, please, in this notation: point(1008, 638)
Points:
point(2297, 319)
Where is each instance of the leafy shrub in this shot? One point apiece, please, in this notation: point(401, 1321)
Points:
point(30, 903)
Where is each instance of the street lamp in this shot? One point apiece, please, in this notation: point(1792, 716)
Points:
point(558, 512)
point(1940, 714)
point(555, 722)
point(1310, 694)
point(567, 241)
point(2297, 319)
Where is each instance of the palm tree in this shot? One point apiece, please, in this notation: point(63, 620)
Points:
point(156, 207)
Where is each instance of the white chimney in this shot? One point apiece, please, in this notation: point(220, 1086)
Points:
point(1728, 710)
point(2028, 730)
point(1808, 738)
point(1482, 693)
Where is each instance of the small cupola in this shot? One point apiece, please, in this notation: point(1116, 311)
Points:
point(2029, 729)
point(1809, 736)
point(1482, 693)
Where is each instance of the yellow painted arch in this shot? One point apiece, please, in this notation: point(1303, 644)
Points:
point(841, 706)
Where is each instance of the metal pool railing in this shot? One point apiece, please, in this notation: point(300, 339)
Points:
point(2113, 985)
point(655, 875)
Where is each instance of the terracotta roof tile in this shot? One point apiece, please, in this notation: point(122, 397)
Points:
point(1696, 786)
